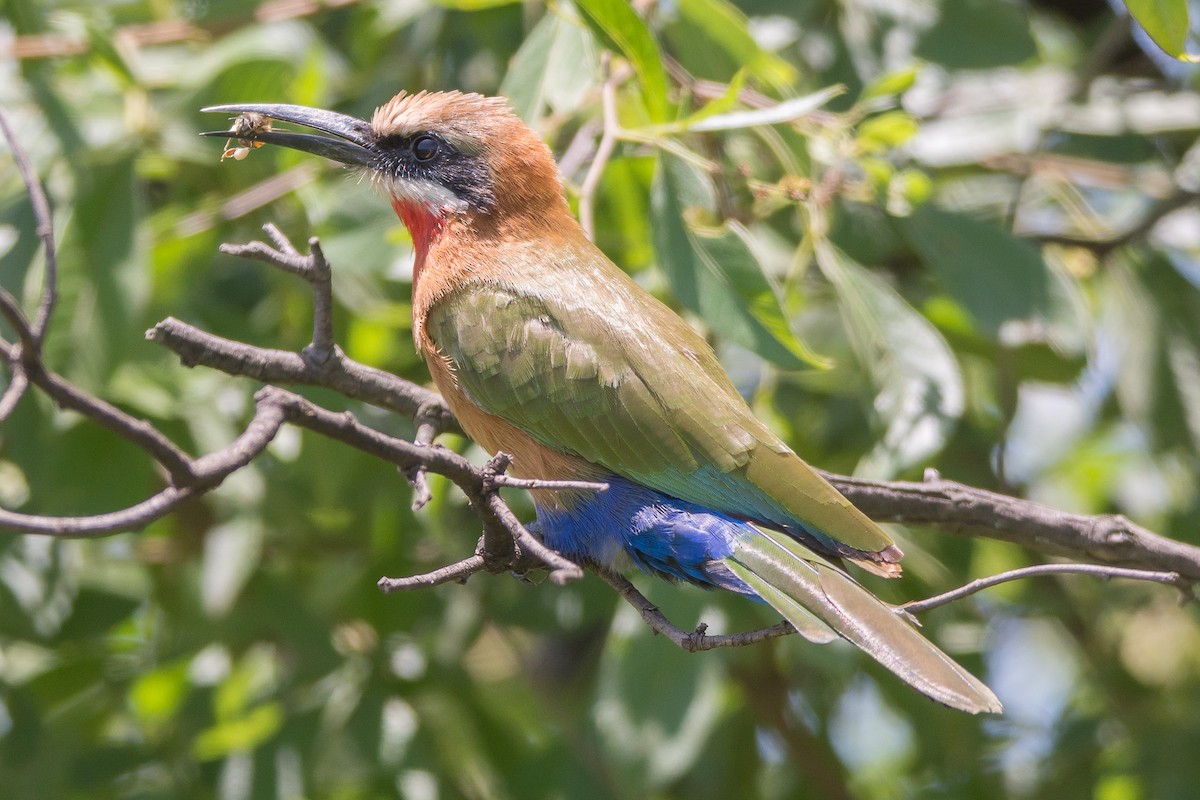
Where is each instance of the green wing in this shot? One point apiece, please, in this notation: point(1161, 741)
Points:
point(595, 366)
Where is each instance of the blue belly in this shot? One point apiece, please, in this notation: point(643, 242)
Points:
point(658, 534)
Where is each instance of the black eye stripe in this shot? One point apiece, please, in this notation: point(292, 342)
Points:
point(425, 156)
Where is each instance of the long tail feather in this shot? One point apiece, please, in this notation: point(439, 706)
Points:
point(801, 585)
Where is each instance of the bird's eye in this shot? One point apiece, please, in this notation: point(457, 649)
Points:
point(424, 148)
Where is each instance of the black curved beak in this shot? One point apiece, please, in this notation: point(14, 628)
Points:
point(351, 145)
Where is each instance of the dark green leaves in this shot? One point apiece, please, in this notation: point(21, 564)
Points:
point(714, 271)
point(995, 276)
point(920, 389)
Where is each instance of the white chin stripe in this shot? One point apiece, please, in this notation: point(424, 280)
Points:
point(420, 191)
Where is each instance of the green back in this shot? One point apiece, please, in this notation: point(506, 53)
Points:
point(585, 361)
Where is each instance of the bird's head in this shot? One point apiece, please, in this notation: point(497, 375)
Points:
point(436, 155)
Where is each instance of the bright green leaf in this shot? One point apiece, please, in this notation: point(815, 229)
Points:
point(240, 735)
point(1166, 22)
point(158, 694)
point(890, 84)
point(619, 23)
point(886, 131)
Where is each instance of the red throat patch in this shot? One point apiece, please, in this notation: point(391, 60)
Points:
point(424, 224)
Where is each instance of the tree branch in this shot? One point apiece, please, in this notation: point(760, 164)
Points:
point(967, 511)
point(1100, 571)
point(1102, 247)
point(693, 641)
point(345, 376)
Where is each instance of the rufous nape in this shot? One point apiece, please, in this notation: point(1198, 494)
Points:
point(546, 350)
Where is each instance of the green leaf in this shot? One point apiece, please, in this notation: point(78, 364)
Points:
point(655, 707)
point(721, 25)
point(886, 131)
point(240, 735)
point(978, 34)
point(920, 388)
point(890, 83)
point(554, 68)
point(715, 273)
point(157, 694)
point(787, 111)
point(997, 277)
point(231, 555)
point(1166, 23)
point(619, 24)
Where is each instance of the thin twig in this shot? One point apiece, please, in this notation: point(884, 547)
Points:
point(322, 289)
point(458, 572)
point(691, 641)
point(313, 268)
point(139, 432)
point(555, 485)
point(427, 430)
point(30, 348)
point(45, 229)
point(18, 382)
point(1131, 235)
point(351, 379)
point(209, 471)
point(1098, 570)
point(604, 150)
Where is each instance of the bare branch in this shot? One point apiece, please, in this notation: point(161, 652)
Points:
point(967, 511)
point(198, 348)
point(45, 230)
point(27, 365)
point(458, 572)
point(1102, 247)
point(208, 471)
point(15, 390)
point(132, 518)
point(690, 641)
point(137, 431)
point(698, 639)
point(1098, 570)
point(533, 483)
point(313, 268)
point(30, 347)
point(427, 431)
point(604, 150)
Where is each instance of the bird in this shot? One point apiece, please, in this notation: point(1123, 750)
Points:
point(546, 350)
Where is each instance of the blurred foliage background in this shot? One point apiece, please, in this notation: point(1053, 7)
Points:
point(980, 254)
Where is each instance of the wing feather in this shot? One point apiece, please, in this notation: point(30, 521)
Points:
point(623, 382)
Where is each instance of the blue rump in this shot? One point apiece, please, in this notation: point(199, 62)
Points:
point(659, 534)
